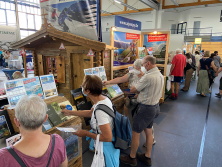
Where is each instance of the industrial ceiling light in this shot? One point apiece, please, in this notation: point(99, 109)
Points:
point(155, 5)
point(124, 4)
point(175, 3)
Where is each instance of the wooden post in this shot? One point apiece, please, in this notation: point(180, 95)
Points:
point(24, 59)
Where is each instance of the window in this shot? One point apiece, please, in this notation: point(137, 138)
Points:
point(2, 18)
point(50, 65)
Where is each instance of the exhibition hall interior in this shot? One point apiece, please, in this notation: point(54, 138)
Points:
point(110, 83)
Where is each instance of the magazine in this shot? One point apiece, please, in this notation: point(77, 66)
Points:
point(114, 90)
point(12, 140)
point(4, 129)
point(72, 147)
point(102, 73)
point(99, 71)
point(58, 110)
point(33, 86)
point(48, 86)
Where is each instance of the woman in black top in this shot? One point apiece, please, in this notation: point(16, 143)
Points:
point(203, 80)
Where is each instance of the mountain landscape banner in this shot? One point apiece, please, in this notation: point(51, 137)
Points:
point(78, 17)
point(127, 48)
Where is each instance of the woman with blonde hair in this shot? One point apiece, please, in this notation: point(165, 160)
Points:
point(203, 83)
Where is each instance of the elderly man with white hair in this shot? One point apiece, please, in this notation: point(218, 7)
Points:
point(35, 148)
point(176, 70)
point(132, 77)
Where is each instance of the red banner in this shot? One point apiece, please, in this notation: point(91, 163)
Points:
point(132, 36)
point(30, 80)
point(157, 37)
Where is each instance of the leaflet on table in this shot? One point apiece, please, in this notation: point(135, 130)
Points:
point(12, 140)
point(114, 90)
point(14, 90)
point(33, 86)
point(66, 129)
point(48, 86)
point(130, 68)
point(99, 71)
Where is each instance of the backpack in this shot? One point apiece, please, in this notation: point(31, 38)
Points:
point(122, 127)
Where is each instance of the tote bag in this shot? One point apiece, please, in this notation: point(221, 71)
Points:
point(98, 159)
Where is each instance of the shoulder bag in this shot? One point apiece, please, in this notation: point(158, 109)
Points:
point(98, 159)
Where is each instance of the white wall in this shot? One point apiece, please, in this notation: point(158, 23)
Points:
point(147, 19)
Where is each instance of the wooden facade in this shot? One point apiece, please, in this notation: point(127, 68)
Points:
point(67, 64)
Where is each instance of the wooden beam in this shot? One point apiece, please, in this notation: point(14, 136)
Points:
point(191, 4)
point(128, 11)
point(125, 8)
point(25, 67)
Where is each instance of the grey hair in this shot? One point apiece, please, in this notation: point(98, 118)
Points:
point(151, 59)
point(31, 112)
point(178, 51)
point(138, 63)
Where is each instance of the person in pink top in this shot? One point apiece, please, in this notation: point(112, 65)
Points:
point(35, 149)
point(176, 70)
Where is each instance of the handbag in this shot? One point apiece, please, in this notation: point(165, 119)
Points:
point(209, 71)
point(98, 159)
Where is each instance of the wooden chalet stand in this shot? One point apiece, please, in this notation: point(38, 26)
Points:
point(77, 161)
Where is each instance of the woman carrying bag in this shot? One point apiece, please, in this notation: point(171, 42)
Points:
point(101, 123)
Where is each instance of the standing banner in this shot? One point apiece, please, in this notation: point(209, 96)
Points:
point(127, 48)
point(78, 17)
point(8, 35)
point(156, 46)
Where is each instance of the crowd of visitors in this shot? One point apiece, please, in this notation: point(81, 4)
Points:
point(206, 66)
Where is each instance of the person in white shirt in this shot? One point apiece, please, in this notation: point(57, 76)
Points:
point(197, 58)
point(7, 57)
point(101, 122)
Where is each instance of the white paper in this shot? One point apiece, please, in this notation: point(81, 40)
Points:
point(12, 140)
point(66, 129)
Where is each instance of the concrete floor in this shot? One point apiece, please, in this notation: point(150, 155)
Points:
point(179, 130)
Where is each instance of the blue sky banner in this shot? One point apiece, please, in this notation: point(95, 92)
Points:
point(78, 17)
point(126, 54)
point(123, 22)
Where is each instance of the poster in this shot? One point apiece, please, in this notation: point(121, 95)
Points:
point(127, 44)
point(48, 86)
point(72, 147)
point(15, 90)
point(142, 52)
point(4, 129)
point(78, 17)
point(102, 73)
point(33, 86)
point(156, 46)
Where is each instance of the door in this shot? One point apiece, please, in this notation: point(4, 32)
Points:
point(196, 28)
point(80, 62)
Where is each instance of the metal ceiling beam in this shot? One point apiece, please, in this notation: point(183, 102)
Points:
point(124, 4)
point(151, 4)
point(103, 11)
point(175, 3)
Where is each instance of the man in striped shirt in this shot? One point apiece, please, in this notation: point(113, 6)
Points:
point(149, 88)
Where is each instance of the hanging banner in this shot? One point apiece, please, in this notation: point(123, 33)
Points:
point(74, 16)
point(157, 37)
point(123, 22)
point(126, 53)
point(8, 35)
point(156, 46)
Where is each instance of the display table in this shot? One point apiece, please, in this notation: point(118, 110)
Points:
point(8, 72)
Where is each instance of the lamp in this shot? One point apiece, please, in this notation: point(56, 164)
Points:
point(154, 32)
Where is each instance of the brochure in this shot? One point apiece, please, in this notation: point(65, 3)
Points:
point(33, 86)
point(58, 110)
point(102, 73)
point(12, 140)
point(48, 86)
point(95, 71)
point(46, 125)
point(71, 130)
point(88, 71)
point(72, 147)
point(99, 71)
point(114, 90)
point(14, 90)
point(4, 129)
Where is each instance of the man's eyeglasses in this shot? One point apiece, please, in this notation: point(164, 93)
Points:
point(144, 63)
